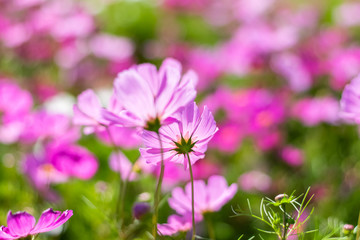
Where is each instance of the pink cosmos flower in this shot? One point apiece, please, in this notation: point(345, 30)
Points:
point(87, 113)
point(22, 224)
point(255, 181)
point(151, 97)
point(120, 163)
point(292, 156)
point(343, 65)
point(316, 110)
point(41, 172)
point(104, 45)
point(350, 101)
point(190, 135)
point(12, 115)
point(208, 198)
point(42, 125)
point(176, 224)
point(72, 160)
point(347, 14)
point(291, 67)
point(229, 137)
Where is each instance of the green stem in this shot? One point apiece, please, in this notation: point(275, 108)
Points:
point(120, 202)
point(192, 197)
point(158, 190)
point(210, 227)
point(358, 229)
point(285, 224)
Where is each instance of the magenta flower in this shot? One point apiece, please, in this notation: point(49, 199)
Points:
point(208, 198)
point(292, 156)
point(88, 113)
point(150, 97)
point(72, 161)
point(350, 101)
point(12, 115)
point(22, 224)
point(190, 135)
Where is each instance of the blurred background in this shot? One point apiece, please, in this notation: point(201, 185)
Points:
point(271, 71)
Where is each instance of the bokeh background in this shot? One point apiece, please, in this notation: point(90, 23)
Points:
point(271, 71)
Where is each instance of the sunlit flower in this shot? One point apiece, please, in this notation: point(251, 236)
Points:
point(190, 135)
point(22, 224)
point(151, 97)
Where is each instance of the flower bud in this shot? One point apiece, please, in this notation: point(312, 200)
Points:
point(348, 229)
point(280, 197)
point(140, 209)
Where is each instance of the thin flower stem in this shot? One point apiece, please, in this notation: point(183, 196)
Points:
point(120, 202)
point(358, 229)
point(210, 227)
point(192, 198)
point(158, 190)
point(284, 218)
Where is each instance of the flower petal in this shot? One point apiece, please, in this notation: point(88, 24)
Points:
point(20, 224)
point(46, 219)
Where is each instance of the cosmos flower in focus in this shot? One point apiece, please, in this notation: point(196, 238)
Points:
point(22, 224)
point(151, 97)
point(190, 135)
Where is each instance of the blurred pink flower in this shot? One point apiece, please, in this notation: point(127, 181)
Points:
point(255, 181)
point(292, 156)
point(350, 101)
point(229, 137)
point(41, 172)
point(72, 160)
point(120, 163)
point(87, 111)
point(176, 224)
point(186, 4)
point(290, 66)
point(191, 134)
point(42, 125)
point(111, 47)
point(268, 140)
point(205, 64)
point(208, 198)
point(343, 65)
point(22, 224)
point(312, 111)
point(119, 136)
point(12, 115)
point(74, 25)
point(15, 35)
point(150, 97)
point(347, 14)
point(249, 11)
